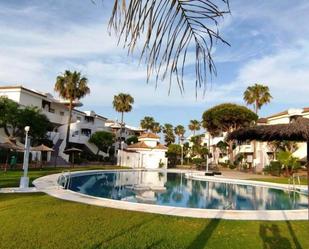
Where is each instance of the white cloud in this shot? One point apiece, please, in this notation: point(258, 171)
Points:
point(34, 57)
point(285, 72)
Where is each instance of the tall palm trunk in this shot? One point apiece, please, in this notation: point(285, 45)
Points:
point(121, 129)
point(256, 107)
point(254, 142)
point(69, 123)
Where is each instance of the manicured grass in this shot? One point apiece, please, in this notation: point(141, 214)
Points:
point(11, 178)
point(282, 180)
point(40, 221)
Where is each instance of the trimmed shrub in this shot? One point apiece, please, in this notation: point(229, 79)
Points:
point(274, 168)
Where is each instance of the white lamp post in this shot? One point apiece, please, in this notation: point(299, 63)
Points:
point(24, 180)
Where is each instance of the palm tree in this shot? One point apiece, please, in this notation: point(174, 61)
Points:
point(156, 128)
point(123, 103)
point(168, 30)
point(179, 131)
point(258, 95)
point(194, 125)
point(71, 86)
point(147, 123)
point(169, 133)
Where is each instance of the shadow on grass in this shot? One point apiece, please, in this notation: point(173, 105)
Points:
point(271, 237)
point(202, 239)
point(295, 240)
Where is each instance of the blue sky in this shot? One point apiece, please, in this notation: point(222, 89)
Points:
point(269, 44)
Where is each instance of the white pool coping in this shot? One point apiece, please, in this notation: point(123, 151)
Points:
point(48, 184)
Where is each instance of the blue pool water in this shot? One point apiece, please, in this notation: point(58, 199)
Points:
point(173, 189)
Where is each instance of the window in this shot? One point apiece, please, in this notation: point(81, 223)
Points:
point(51, 110)
point(86, 132)
point(78, 118)
point(61, 113)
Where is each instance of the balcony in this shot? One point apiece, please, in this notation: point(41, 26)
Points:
point(55, 118)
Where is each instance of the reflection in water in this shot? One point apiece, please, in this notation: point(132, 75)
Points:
point(173, 189)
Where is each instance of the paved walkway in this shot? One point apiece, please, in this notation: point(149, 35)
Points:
point(17, 190)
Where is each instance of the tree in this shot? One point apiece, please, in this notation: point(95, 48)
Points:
point(197, 148)
point(38, 122)
point(132, 140)
point(257, 95)
point(156, 128)
point(194, 126)
point(103, 140)
point(169, 137)
point(14, 118)
point(284, 145)
point(227, 118)
point(222, 146)
point(288, 161)
point(179, 131)
point(172, 29)
point(173, 154)
point(147, 123)
point(123, 103)
point(71, 86)
point(9, 115)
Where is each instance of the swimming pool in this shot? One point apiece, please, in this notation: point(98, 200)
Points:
point(173, 189)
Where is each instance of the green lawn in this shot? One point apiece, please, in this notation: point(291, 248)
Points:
point(11, 178)
point(282, 180)
point(39, 221)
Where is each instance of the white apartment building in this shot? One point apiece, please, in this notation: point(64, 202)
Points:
point(264, 152)
point(82, 126)
point(127, 130)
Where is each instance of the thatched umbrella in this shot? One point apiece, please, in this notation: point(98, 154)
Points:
point(10, 144)
point(72, 151)
point(42, 148)
point(297, 130)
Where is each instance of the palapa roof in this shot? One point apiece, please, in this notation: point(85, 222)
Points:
point(296, 130)
point(10, 143)
point(71, 150)
point(42, 147)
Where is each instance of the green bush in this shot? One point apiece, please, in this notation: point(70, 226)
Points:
point(274, 168)
point(232, 166)
point(224, 165)
point(199, 162)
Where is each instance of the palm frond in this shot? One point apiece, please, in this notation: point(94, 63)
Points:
point(170, 31)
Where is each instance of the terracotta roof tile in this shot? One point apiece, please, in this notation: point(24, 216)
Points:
point(262, 120)
point(278, 114)
point(161, 147)
point(139, 145)
point(149, 135)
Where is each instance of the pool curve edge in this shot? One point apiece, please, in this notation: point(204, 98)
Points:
point(49, 185)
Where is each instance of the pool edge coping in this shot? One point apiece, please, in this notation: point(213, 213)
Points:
point(48, 184)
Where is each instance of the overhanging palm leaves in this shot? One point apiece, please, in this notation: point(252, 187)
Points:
point(171, 30)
